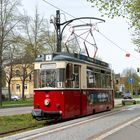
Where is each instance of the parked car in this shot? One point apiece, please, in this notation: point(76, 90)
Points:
point(127, 95)
point(15, 98)
point(127, 98)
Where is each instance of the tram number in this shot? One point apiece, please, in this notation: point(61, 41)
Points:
point(48, 57)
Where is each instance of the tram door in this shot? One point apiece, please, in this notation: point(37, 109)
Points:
point(76, 76)
point(73, 95)
point(73, 75)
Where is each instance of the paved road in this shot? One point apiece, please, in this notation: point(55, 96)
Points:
point(87, 128)
point(15, 110)
point(130, 132)
point(24, 110)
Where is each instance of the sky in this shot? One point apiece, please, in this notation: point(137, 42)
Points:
point(116, 30)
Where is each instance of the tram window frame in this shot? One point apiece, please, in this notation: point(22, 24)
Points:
point(76, 76)
point(90, 74)
point(108, 80)
point(72, 76)
point(36, 78)
point(103, 79)
point(60, 77)
point(98, 78)
point(69, 75)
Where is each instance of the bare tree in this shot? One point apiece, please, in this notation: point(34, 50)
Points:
point(36, 37)
point(23, 69)
point(8, 21)
point(9, 75)
point(10, 56)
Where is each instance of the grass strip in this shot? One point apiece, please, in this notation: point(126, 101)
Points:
point(17, 122)
point(26, 102)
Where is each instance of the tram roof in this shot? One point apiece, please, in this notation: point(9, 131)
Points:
point(70, 57)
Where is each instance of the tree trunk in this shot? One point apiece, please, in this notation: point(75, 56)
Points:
point(23, 81)
point(0, 85)
point(9, 90)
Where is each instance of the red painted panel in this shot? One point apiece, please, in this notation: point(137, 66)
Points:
point(84, 103)
point(72, 102)
point(55, 97)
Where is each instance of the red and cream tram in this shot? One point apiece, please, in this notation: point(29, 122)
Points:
point(70, 86)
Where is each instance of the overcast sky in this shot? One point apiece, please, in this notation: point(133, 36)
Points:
point(114, 29)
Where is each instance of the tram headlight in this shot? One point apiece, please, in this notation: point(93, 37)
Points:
point(46, 102)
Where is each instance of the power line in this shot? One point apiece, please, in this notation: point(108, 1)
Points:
point(58, 8)
point(62, 10)
point(115, 44)
point(111, 41)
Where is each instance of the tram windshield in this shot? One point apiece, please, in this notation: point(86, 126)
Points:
point(49, 76)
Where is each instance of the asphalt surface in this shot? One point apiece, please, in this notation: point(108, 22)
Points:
point(15, 110)
point(130, 132)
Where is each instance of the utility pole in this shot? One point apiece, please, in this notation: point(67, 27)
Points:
point(58, 31)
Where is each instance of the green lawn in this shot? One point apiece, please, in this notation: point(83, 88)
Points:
point(26, 102)
point(136, 96)
point(10, 123)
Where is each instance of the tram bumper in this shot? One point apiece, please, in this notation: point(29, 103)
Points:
point(39, 114)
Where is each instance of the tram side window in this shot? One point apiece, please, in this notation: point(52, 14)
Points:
point(108, 80)
point(103, 80)
point(60, 76)
point(90, 78)
point(98, 79)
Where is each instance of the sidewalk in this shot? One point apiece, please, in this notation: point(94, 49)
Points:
point(130, 132)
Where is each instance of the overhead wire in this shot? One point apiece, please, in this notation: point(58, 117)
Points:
point(115, 44)
point(60, 9)
point(96, 30)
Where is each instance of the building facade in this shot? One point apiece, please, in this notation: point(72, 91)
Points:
point(19, 72)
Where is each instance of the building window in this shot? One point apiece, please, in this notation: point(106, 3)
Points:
point(17, 87)
point(25, 87)
point(18, 73)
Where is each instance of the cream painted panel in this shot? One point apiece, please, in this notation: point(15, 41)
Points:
point(61, 65)
point(83, 77)
point(58, 64)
